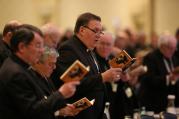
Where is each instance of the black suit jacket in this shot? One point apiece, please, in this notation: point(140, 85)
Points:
point(91, 86)
point(154, 90)
point(23, 95)
point(5, 51)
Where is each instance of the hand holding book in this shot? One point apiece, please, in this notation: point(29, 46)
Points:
point(75, 72)
point(122, 60)
point(75, 108)
point(83, 103)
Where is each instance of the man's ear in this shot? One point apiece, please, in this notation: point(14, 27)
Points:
point(21, 47)
point(81, 30)
point(9, 36)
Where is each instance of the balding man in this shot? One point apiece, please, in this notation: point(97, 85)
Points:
point(52, 35)
point(5, 50)
point(157, 83)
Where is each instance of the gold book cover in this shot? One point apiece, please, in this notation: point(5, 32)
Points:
point(83, 103)
point(75, 72)
point(122, 60)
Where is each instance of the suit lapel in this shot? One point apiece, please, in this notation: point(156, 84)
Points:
point(86, 59)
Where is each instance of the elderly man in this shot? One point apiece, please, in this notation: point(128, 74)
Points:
point(5, 50)
point(52, 35)
point(21, 95)
point(157, 83)
point(43, 69)
point(88, 30)
point(120, 103)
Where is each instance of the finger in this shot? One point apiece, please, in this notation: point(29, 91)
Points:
point(74, 83)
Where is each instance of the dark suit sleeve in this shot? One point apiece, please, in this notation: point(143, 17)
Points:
point(23, 93)
point(154, 75)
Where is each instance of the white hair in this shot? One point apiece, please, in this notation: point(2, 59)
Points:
point(48, 52)
point(109, 33)
point(165, 38)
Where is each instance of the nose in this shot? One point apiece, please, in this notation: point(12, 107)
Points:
point(41, 50)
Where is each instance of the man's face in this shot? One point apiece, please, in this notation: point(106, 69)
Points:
point(48, 65)
point(52, 40)
point(33, 51)
point(92, 33)
point(169, 49)
point(105, 45)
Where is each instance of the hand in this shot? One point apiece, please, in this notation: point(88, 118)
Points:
point(69, 110)
point(125, 77)
point(112, 74)
point(68, 89)
point(173, 78)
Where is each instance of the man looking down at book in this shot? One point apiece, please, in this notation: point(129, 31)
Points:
point(43, 69)
point(88, 30)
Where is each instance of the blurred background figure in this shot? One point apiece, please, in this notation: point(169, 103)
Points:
point(103, 52)
point(66, 36)
point(154, 40)
point(177, 37)
point(0, 36)
point(52, 35)
point(156, 84)
point(121, 40)
point(141, 41)
point(5, 50)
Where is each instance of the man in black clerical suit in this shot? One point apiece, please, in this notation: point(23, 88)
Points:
point(158, 82)
point(5, 50)
point(88, 30)
point(21, 97)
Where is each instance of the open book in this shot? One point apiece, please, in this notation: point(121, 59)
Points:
point(122, 60)
point(75, 72)
point(83, 103)
point(79, 105)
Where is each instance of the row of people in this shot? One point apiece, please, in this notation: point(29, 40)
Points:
point(32, 94)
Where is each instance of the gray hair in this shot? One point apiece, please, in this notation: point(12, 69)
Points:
point(165, 38)
point(48, 52)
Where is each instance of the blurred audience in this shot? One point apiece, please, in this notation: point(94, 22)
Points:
point(157, 83)
point(66, 36)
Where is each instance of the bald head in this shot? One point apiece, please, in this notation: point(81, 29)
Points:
point(167, 44)
point(122, 40)
point(52, 35)
point(105, 45)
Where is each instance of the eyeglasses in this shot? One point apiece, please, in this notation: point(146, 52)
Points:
point(94, 31)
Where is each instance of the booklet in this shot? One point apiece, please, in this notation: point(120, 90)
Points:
point(122, 60)
point(75, 72)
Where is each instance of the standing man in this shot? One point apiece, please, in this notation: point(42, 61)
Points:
point(158, 82)
point(88, 30)
point(5, 50)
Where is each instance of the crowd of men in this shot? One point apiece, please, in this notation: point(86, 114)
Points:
point(32, 60)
